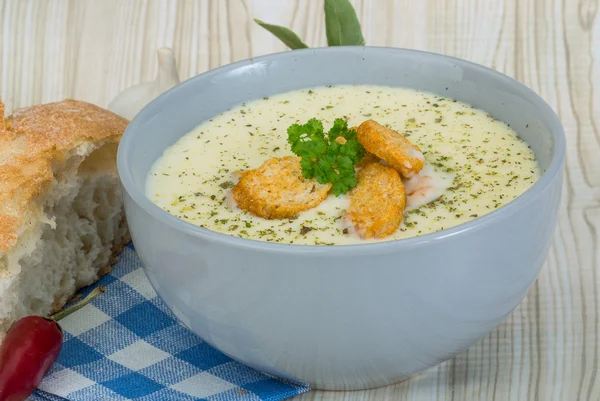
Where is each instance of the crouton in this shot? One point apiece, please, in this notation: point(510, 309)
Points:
point(367, 159)
point(377, 202)
point(277, 189)
point(392, 147)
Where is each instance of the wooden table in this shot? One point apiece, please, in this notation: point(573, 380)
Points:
point(549, 347)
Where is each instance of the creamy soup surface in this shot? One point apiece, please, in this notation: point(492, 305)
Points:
point(478, 162)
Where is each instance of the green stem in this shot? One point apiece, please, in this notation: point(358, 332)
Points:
point(67, 311)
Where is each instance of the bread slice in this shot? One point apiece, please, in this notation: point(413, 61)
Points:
point(61, 214)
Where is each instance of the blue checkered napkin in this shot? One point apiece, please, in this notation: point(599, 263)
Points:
point(126, 345)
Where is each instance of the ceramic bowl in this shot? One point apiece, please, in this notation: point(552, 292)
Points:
point(344, 317)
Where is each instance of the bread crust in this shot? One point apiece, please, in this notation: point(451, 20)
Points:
point(35, 139)
point(2, 123)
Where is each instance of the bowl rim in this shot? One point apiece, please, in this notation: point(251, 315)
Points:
point(139, 197)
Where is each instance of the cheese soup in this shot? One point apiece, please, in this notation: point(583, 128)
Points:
point(473, 163)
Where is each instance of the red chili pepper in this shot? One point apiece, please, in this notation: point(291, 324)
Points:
point(29, 350)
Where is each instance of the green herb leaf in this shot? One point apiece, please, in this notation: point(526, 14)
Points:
point(352, 148)
point(327, 158)
point(287, 36)
point(339, 127)
point(341, 24)
point(308, 142)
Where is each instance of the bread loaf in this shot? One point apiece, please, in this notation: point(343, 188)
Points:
point(61, 213)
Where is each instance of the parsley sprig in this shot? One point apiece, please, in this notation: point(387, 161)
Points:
point(328, 158)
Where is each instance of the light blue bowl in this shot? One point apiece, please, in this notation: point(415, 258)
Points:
point(344, 317)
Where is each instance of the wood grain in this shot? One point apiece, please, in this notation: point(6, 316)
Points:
point(549, 347)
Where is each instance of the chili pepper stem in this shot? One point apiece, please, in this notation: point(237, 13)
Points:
point(67, 311)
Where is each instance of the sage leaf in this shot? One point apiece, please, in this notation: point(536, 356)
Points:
point(287, 36)
point(341, 24)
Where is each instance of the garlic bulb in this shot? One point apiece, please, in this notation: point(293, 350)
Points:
point(129, 102)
